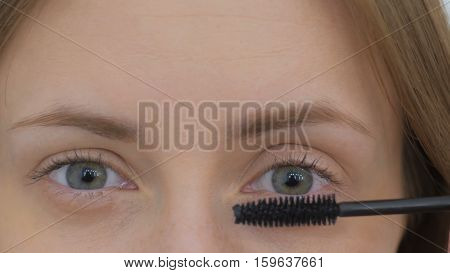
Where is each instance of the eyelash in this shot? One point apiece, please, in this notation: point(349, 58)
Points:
point(67, 159)
point(301, 161)
point(284, 160)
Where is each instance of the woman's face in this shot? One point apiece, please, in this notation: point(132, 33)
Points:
point(63, 171)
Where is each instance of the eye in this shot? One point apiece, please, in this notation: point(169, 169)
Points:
point(291, 180)
point(86, 176)
point(85, 169)
point(288, 180)
point(287, 169)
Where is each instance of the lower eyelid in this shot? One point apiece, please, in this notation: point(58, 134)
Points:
point(68, 199)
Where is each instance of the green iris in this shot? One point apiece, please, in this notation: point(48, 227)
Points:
point(86, 176)
point(292, 180)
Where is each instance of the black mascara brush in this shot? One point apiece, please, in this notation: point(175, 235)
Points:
point(323, 209)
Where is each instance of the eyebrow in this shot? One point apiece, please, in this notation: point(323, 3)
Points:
point(116, 129)
point(309, 114)
point(101, 125)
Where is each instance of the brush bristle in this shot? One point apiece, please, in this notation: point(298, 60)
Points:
point(288, 211)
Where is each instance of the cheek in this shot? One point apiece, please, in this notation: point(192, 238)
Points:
point(20, 216)
point(26, 210)
point(375, 233)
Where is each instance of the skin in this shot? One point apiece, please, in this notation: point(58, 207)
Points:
point(195, 50)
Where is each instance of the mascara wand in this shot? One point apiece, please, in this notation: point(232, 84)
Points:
point(323, 209)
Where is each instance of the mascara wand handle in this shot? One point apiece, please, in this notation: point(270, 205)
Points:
point(394, 206)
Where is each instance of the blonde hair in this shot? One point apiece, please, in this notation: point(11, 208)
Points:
point(413, 39)
point(9, 17)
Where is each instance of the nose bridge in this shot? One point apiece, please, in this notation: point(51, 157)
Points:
point(189, 209)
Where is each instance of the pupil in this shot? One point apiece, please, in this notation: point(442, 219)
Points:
point(293, 179)
point(88, 175)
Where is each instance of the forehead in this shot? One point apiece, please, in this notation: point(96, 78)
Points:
point(111, 54)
